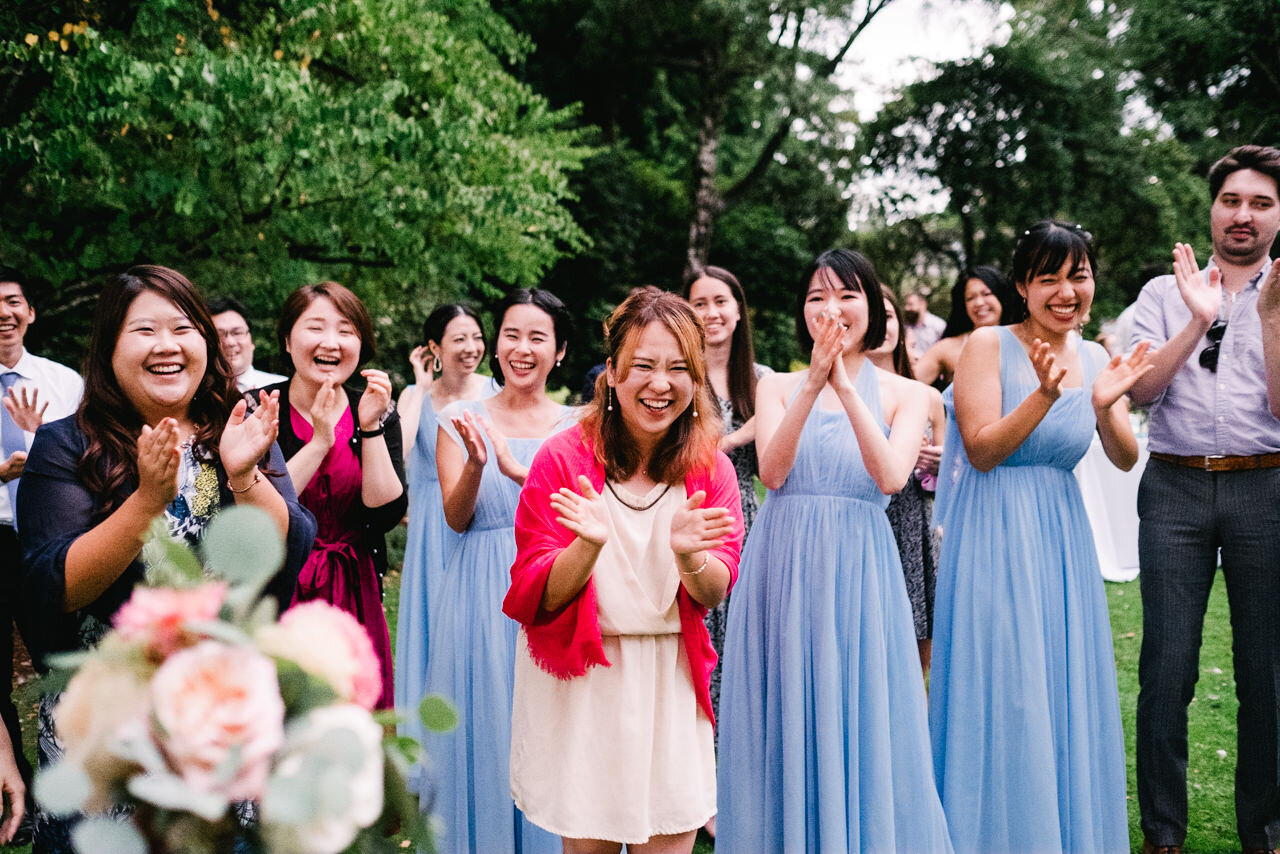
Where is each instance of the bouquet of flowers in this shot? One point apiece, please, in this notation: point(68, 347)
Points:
point(201, 723)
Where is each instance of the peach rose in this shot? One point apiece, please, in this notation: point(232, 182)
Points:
point(212, 700)
point(157, 617)
point(100, 702)
point(329, 643)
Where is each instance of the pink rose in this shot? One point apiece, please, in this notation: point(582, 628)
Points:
point(210, 701)
point(329, 643)
point(157, 617)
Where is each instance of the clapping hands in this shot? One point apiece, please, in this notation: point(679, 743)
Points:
point(1119, 375)
point(583, 513)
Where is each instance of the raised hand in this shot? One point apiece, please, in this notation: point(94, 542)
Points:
point(1119, 376)
point(583, 513)
point(1042, 360)
point(1203, 300)
point(248, 435)
point(158, 464)
point(376, 399)
point(1269, 297)
point(26, 412)
point(326, 412)
point(419, 358)
point(472, 438)
point(828, 346)
point(695, 528)
point(507, 463)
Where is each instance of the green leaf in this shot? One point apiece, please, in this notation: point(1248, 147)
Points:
point(437, 714)
point(63, 788)
point(169, 562)
point(244, 546)
point(107, 836)
point(169, 791)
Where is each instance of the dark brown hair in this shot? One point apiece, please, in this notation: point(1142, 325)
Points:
point(690, 442)
point(742, 355)
point(107, 418)
point(347, 304)
point(901, 361)
point(1259, 158)
point(854, 272)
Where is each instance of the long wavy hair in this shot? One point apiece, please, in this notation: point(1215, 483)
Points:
point(901, 361)
point(108, 418)
point(742, 354)
point(690, 443)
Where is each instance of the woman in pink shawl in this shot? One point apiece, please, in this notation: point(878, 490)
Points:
point(629, 528)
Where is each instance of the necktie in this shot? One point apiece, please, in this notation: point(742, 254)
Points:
point(12, 438)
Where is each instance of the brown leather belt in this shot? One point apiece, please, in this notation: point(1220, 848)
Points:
point(1222, 463)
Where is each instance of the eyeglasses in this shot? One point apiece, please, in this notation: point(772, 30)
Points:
point(229, 334)
point(1209, 355)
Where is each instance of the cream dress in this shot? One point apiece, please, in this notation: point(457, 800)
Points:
point(621, 753)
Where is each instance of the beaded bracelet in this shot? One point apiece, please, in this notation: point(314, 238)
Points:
point(706, 556)
point(257, 478)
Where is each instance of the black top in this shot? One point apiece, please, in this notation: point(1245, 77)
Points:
point(55, 509)
point(376, 521)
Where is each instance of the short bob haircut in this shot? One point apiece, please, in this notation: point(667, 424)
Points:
point(347, 304)
point(439, 319)
point(1049, 244)
point(958, 320)
point(691, 442)
point(108, 418)
point(1259, 158)
point(561, 322)
point(854, 273)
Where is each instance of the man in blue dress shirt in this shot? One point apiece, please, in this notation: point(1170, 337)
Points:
point(1213, 483)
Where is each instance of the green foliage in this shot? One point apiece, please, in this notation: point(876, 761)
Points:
point(265, 145)
point(1038, 128)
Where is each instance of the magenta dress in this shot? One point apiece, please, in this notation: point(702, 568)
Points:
point(340, 570)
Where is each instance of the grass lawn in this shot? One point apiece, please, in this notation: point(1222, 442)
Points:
point(1211, 764)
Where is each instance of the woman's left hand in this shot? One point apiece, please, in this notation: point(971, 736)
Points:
point(248, 436)
point(1119, 376)
point(376, 399)
point(695, 528)
point(929, 459)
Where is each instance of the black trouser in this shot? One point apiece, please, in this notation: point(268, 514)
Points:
point(1187, 515)
point(10, 556)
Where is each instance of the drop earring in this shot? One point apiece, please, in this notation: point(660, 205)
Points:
point(695, 402)
point(436, 367)
point(608, 391)
point(557, 363)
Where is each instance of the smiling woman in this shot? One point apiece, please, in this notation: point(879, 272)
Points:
point(628, 529)
point(159, 433)
point(344, 457)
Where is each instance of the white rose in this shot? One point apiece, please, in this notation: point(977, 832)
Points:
point(327, 782)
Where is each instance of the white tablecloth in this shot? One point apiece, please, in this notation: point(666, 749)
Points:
point(1111, 500)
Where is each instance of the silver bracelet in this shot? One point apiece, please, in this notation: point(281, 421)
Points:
point(706, 556)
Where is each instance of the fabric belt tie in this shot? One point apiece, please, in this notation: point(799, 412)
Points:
point(1220, 462)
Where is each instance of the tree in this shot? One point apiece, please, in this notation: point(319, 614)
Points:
point(261, 145)
point(1036, 128)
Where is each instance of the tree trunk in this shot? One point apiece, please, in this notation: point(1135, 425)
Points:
point(707, 202)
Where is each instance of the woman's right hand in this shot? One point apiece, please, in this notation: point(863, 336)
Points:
point(828, 346)
point(419, 358)
point(583, 513)
point(1043, 361)
point(472, 438)
point(929, 459)
point(158, 464)
point(326, 412)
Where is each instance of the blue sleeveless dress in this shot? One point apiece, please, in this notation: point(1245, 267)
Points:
point(430, 543)
point(1023, 709)
point(467, 785)
point(824, 742)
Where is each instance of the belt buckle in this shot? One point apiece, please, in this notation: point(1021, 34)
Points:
point(1208, 461)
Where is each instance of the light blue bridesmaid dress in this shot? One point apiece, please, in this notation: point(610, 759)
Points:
point(1023, 709)
point(824, 743)
point(427, 549)
point(467, 785)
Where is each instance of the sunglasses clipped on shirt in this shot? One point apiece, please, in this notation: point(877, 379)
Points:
point(1209, 355)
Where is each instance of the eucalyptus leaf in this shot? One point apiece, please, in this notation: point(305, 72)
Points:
point(63, 788)
point(437, 714)
point(171, 792)
point(243, 545)
point(107, 836)
point(169, 562)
